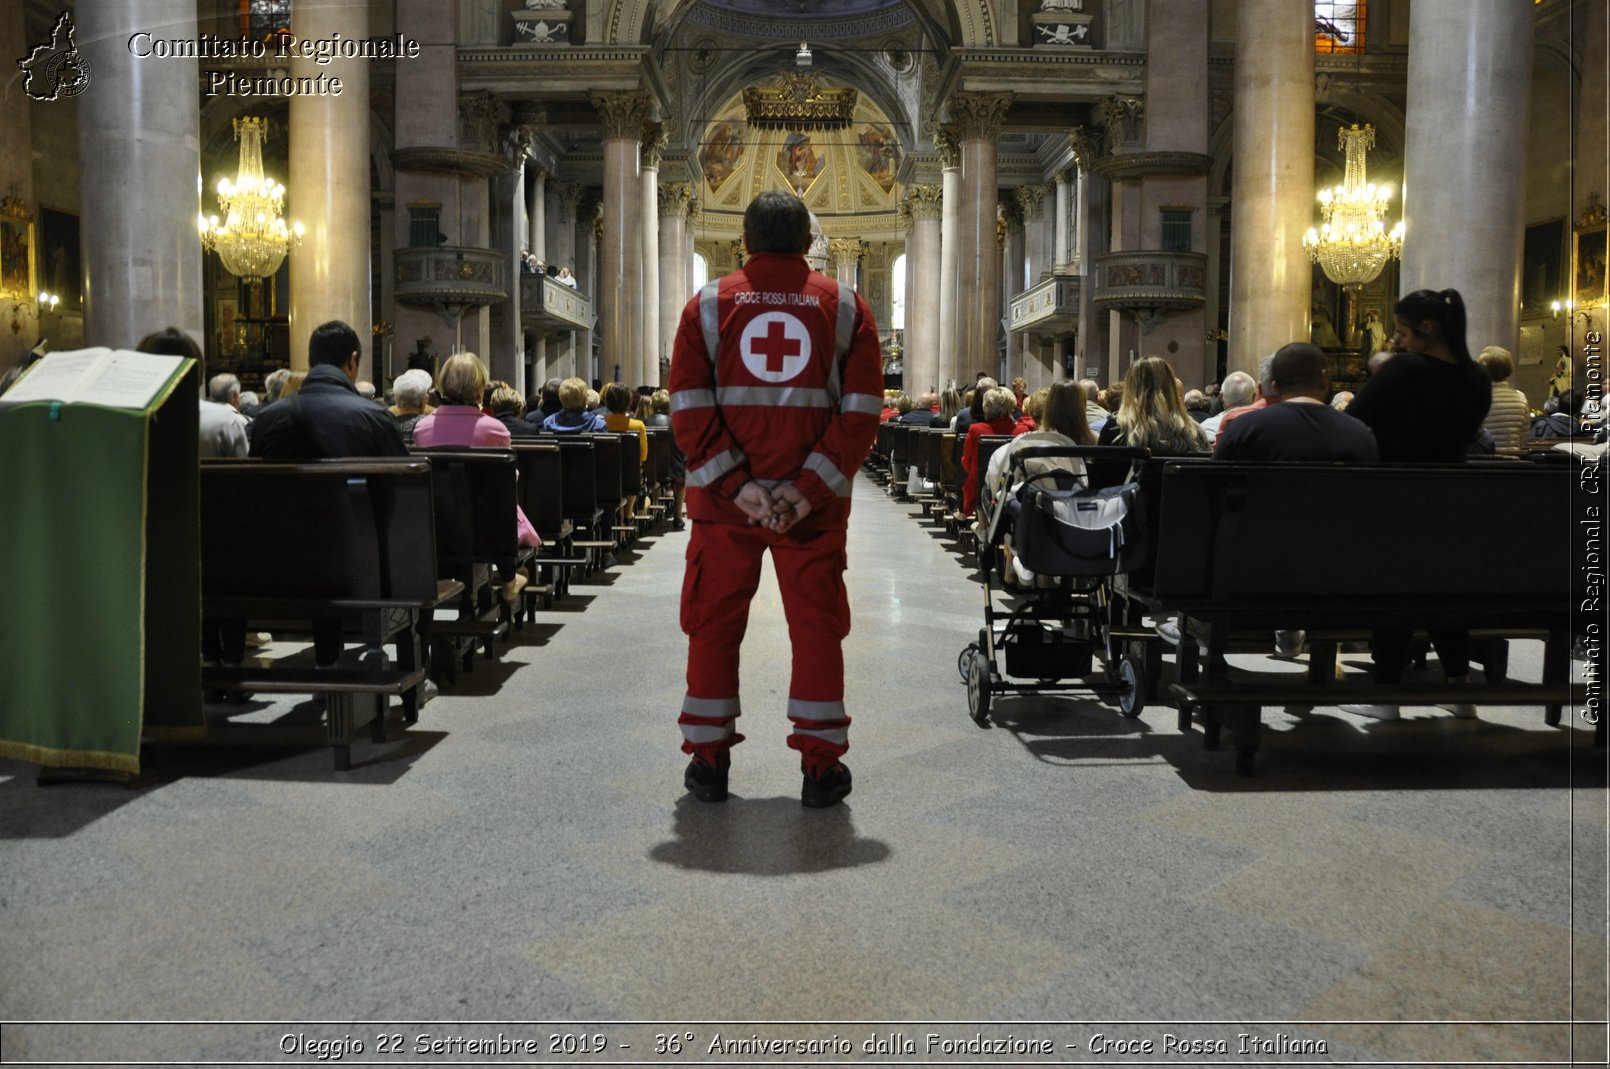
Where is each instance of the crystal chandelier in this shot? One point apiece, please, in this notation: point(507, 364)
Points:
point(1353, 244)
point(253, 238)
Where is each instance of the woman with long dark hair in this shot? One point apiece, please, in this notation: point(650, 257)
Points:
point(1425, 405)
point(1427, 402)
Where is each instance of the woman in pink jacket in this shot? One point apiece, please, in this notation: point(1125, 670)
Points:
point(459, 421)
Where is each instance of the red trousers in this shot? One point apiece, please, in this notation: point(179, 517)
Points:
point(723, 572)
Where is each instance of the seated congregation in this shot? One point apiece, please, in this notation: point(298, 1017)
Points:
point(1245, 514)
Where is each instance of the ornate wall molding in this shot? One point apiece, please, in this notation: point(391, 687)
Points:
point(1147, 164)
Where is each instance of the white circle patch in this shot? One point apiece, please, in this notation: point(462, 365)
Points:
point(775, 346)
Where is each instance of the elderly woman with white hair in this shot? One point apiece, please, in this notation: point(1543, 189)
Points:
point(412, 392)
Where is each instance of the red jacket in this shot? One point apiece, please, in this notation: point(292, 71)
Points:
point(793, 392)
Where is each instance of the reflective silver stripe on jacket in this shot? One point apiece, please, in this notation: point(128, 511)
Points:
point(828, 472)
point(683, 400)
point(843, 335)
point(871, 404)
point(710, 322)
point(774, 396)
point(715, 467)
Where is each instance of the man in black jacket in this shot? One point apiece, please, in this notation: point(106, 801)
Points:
point(327, 417)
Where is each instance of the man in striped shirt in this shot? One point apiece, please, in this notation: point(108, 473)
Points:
point(776, 385)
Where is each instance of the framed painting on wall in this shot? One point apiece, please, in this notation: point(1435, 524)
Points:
point(1588, 267)
point(17, 270)
point(61, 266)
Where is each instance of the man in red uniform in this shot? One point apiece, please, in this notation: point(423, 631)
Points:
point(776, 386)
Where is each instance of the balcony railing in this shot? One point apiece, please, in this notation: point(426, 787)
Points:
point(451, 278)
point(1149, 285)
point(548, 306)
point(1049, 308)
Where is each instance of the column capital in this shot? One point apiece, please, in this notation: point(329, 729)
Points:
point(1120, 116)
point(518, 140)
point(674, 198)
point(652, 143)
point(693, 206)
point(1011, 211)
point(1031, 200)
point(922, 201)
point(622, 113)
point(1082, 140)
point(1065, 176)
point(978, 116)
point(480, 115)
point(845, 251)
point(1001, 228)
point(950, 150)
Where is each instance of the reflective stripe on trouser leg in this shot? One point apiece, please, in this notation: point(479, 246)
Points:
point(723, 570)
point(810, 572)
point(820, 728)
point(707, 724)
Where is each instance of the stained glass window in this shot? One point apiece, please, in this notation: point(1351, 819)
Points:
point(1339, 26)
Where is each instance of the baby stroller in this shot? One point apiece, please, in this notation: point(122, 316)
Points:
point(1072, 539)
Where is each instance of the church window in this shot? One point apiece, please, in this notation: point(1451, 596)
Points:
point(1338, 26)
point(1176, 230)
point(897, 294)
point(261, 18)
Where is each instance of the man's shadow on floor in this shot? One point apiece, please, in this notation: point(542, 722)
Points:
point(765, 837)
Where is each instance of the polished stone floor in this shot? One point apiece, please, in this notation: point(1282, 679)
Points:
point(526, 853)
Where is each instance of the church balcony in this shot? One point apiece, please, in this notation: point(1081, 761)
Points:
point(548, 306)
point(1049, 308)
point(452, 160)
point(1148, 285)
point(451, 279)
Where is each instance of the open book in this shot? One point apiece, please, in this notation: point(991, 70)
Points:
point(116, 377)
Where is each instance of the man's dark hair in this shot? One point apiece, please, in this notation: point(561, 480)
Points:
point(777, 222)
point(170, 342)
point(332, 343)
point(1570, 401)
point(1298, 367)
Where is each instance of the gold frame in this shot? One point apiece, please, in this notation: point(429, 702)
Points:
point(18, 249)
point(1588, 251)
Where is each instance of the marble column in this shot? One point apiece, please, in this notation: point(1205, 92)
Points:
point(620, 255)
point(506, 359)
point(1060, 254)
point(329, 185)
point(140, 174)
point(846, 256)
point(1470, 77)
point(924, 370)
point(1014, 269)
point(1088, 341)
point(537, 213)
point(950, 179)
point(648, 311)
point(1037, 239)
point(562, 240)
point(676, 261)
point(978, 117)
point(1272, 189)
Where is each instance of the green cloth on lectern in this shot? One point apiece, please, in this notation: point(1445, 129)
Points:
point(76, 627)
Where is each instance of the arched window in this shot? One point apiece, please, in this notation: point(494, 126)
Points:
point(701, 272)
point(897, 294)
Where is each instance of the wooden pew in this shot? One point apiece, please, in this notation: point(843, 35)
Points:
point(578, 455)
point(1256, 548)
point(475, 493)
point(541, 483)
point(331, 539)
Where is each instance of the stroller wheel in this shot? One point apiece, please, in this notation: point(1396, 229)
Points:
point(978, 674)
point(1131, 685)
